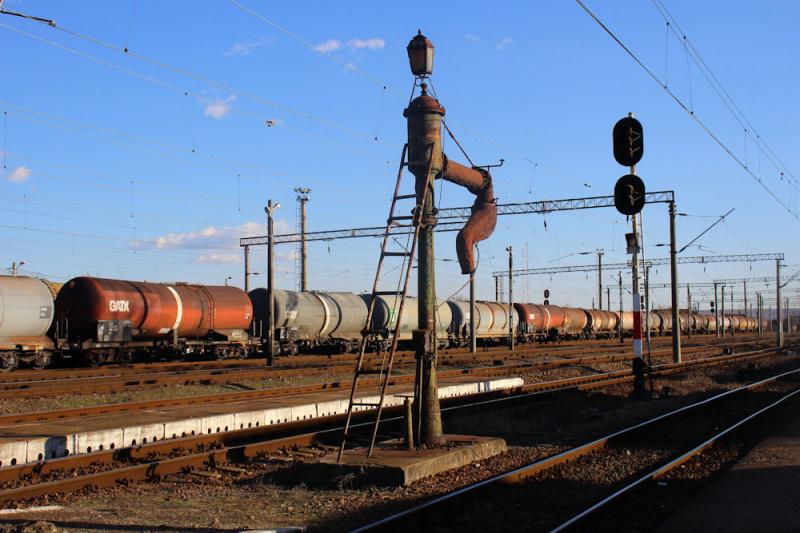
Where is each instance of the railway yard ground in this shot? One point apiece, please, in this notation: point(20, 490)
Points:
point(543, 400)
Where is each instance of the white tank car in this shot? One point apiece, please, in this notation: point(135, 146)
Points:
point(26, 314)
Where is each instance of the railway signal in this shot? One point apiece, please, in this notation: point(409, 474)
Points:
point(629, 193)
point(628, 141)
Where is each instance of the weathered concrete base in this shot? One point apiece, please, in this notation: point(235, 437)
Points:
point(392, 464)
point(22, 443)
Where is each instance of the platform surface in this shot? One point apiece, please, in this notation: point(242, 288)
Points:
point(759, 493)
point(28, 442)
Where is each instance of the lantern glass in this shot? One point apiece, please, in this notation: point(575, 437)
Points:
point(420, 56)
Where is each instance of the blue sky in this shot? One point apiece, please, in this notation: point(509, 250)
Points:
point(120, 167)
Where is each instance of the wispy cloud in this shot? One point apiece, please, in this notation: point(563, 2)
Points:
point(471, 37)
point(373, 43)
point(213, 244)
point(19, 175)
point(503, 43)
point(331, 45)
point(247, 47)
point(218, 108)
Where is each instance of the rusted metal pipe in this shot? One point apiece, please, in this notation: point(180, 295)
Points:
point(483, 220)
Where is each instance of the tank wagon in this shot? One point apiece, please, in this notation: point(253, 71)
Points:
point(311, 320)
point(26, 312)
point(114, 320)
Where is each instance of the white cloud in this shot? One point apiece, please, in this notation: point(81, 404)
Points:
point(503, 43)
point(373, 43)
point(471, 37)
point(331, 45)
point(213, 244)
point(219, 258)
point(19, 175)
point(218, 108)
point(245, 48)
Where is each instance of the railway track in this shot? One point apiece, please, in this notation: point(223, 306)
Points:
point(564, 491)
point(310, 361)
point(105, 381)
point(153, 460)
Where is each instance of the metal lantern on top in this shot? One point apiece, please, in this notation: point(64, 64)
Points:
point(420, 55)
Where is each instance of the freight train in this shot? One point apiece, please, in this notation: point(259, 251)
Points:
point(105, 320)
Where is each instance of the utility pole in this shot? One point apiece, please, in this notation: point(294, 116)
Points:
point(744, 290)
point(733, 312)
point(619, 276)
point(270, 339)
point(689, 312)
point(473, 341)
point(716, 312)
point(303, 196)
point(510, 297)
point(722, 312)
point(759, 315)
point(673, 266)
point(608, 299)
point(246, 269)
point(778, 302)
point(647, 305)
point(497, 288)
point(600, 279)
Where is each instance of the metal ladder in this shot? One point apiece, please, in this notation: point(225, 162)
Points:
point(408, 259)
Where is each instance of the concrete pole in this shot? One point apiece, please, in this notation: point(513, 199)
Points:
point(600, 279)
point(638, 363)
point(744, 291)
point(759, 314)
point(689, 312)
point(733, 312)
point(621, 339)
point(722, 312)
point(270, 284)
point(497, 288)
point(247, 268)
point(778, 302)
point(716, 312)
point(473, 341)
point(303, 199)
point(673, 264)
point(647, 305)
point(510, 297)
point(608, 299)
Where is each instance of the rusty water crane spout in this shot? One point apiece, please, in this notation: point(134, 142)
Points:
point(424, 116)
point(483, 219)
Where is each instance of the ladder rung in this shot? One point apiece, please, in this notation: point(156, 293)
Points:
point(387, 293)
point(396, 254)
point(405, 196)
point(402, 217)
point(359, 404)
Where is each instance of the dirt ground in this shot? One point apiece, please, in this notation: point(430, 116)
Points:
point(262, 495)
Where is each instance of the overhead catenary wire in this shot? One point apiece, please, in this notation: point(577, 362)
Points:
point(691, 113)
point(724, 96)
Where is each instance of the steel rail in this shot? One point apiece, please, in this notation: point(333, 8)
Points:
point(228, 453)
point(671, 465)
point(114, 383)
point(116, 408)
point(521, 473)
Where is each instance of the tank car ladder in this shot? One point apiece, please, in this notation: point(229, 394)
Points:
point(407, 256)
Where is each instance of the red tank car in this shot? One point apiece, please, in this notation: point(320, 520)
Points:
point(113, 317)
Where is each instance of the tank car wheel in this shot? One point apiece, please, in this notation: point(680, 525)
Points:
point(8, 361)
point(41, 361)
